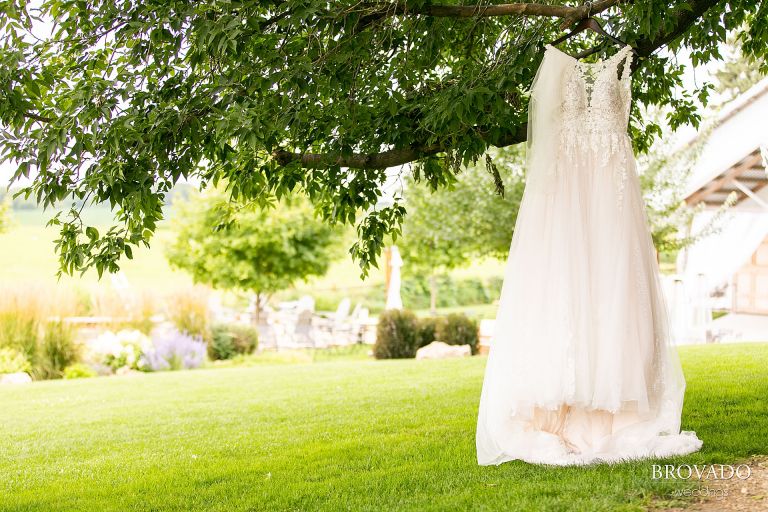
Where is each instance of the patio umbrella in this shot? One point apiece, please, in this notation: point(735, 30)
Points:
point(394, 301)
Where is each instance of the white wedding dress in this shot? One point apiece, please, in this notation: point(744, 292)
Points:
point(581, 367)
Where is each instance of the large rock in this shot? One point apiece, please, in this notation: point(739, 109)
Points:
point(15, 378)
point(440, 350)
point(127, 370)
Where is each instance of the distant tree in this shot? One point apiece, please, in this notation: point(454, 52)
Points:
point(447, 228)
point(739, 71)
point(455, 224)
point(664, 172)
point(247, 248)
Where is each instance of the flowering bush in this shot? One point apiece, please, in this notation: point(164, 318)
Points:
point(119, 350)
point(174, 351)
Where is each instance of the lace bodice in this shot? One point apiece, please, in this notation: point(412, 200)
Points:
point(595, 108)
point(595, 102)
point(577, 119)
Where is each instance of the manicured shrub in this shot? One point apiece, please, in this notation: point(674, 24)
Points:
point(397, 335)
point(246, 338)
point(222, 343)
point(428, 330)
point(458, 329)
point(229, 340)
point(13, 361)
point(79, 371)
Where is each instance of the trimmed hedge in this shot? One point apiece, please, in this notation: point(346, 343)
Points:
point(415, 293)
point(400, 334)
point(229, 340)
point(458, 329)
point(427, 330)
point(451, 292)
point(397, 335)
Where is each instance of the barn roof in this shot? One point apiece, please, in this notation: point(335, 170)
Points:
point(734, 156)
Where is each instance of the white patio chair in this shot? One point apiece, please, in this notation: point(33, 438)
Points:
point(306, 303)
point(302, 334)
point(268, 338)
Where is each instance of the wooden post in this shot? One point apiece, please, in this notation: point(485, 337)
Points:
point(387, 271)
point(433, 294)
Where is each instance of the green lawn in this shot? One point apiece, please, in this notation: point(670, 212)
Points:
point(334, 435)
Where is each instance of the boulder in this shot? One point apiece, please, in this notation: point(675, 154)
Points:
point(15, 378)
point(440, 350)
point(127, 370)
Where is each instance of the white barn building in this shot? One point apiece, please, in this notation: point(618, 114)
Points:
point(728, 270)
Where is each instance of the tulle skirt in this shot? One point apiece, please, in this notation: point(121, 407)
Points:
point(581, 368)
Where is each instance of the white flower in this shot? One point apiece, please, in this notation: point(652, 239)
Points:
point(125, 344)
point(106, 344)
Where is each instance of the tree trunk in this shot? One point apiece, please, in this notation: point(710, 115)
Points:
point(257, 310)
point(433, 294)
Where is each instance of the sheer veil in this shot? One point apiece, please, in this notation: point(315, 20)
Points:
point(544, 121)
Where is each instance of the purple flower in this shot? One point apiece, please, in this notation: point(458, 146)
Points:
point(174, 351)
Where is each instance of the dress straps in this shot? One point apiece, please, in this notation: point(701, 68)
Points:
point(627, 63)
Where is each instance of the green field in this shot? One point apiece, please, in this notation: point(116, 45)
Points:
point(335, 435)
point(27, 260)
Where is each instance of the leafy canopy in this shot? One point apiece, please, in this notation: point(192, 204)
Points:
point(250, 249)
point(451, 226)
point(115, 101)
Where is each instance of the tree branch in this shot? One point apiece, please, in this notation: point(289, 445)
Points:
point(391, 157)
point(374, 12)
point(37, 117)
point(683, 18)
point(472, 11)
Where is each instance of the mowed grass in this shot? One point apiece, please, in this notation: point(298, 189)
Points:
point(335, 435)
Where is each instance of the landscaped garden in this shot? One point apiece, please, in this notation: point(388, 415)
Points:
point(343, 433)
point(254, 255)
